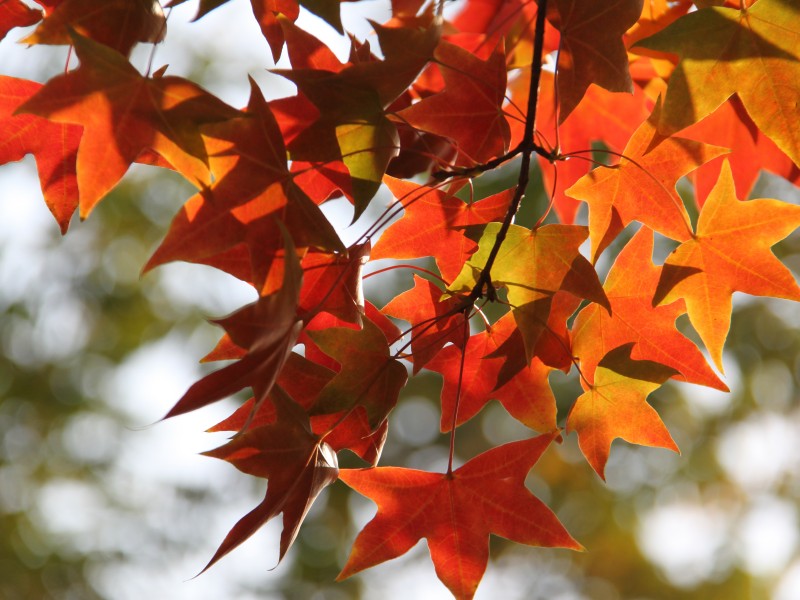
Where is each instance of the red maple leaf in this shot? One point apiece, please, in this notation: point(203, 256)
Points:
point(297, 464)
point(433, 320)
point(455, 512)
point(420, 233)
point(124, 114)
point(54, 145)
point(493, 367)
point(469, 110)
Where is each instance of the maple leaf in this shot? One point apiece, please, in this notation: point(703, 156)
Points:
point(591, 48)
point(600, 116)
point(751, 151)
point(352, 125)
point(630, 286)
point(420, 233)
point(307, 51)
point(492, 19)
point(406, 105)
point(493, 367)
point(455, 512)
point(333, 283)
point(369, 376)
point(469, 110)
point(13, 13)
point(554, 347)
point(533, 265)
point(268, 13)
point(641, 187)
point(54, 145)
point(247, 154)
point(124, 114)
point(749, 51)
point(119, 24)
point(303, 380)
point(296, 463)
point(730, 252)
point(253, 190)
point(615, 406)
point(206, 228)
point(267, 329)
point(433, 322)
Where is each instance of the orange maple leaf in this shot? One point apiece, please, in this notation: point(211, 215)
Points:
point(630, 286)
point(751, 151)
point(420, 232)
point(641, 187)
point(601, 116)
point(750, 51)
point(730, 252)
point(615, 406)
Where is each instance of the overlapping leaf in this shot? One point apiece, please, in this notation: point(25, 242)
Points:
point(303, 380)
point(469, 110)
point(253, 191)
point(642, 187)
point(296, 463)
point(630, 287)
point(494, 367)
point(591, 48)
point(751, 151)
point(435, 321)
point(268, 13)
point(124, 114)
point(267, 329)
point(119, 24)
point(14, 13)
point(600, 117)
point(332, 283)
point(615, 406)
point(729, 252)
point(352, 125)
point(752, 52)
point(420, 232)
point(368, 377)
point(533, 265)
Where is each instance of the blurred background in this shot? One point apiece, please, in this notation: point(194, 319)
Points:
point(99, 500)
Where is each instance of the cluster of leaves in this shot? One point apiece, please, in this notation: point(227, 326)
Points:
point(446, 99)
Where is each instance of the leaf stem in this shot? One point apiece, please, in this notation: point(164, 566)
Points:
point(458, 395)
point(406, 266)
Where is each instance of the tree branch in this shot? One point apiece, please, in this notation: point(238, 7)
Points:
point(484, 285)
